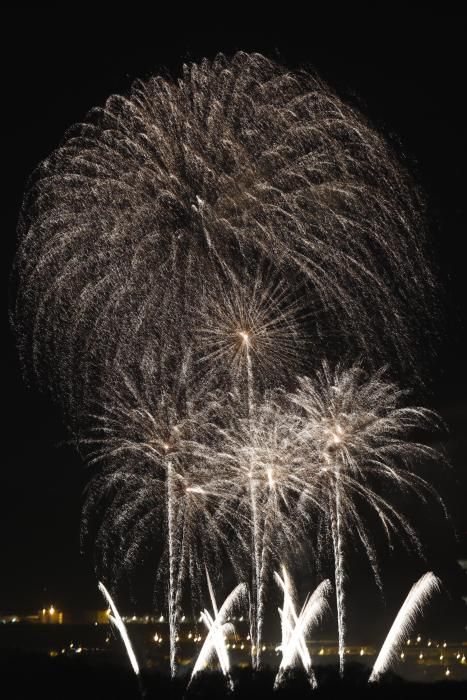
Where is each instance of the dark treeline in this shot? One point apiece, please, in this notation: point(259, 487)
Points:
point(26, 676)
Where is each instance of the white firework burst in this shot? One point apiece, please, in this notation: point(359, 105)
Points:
point(252, 325)
point(356, 439)
point(239, 161)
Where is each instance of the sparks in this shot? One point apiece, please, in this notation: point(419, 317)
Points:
point(218, 628)
point(417, 598)
point(296, 628)
point(186, 260)
point(116, 620)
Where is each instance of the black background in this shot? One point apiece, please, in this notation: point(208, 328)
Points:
point(407, 75)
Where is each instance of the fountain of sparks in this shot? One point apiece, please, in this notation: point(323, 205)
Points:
point(262, 449)
point(117, 621)
point(418, 597)
point(296, 628)
point(218, 630)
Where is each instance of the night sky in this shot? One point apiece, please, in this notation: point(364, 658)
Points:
point(407, 77)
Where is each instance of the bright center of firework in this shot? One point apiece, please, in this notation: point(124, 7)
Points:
point(244, 336)
point(337, 434)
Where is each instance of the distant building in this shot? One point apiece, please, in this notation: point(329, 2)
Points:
point(46, 616)
point(51, 616)
point(102, 617)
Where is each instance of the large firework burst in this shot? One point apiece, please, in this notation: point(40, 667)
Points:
point(158, 191)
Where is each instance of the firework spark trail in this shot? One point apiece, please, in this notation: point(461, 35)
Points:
point(355, 436)
point(120, 625)
point(289, 618)
point(218, 629)
point(255, 580)
point(257, 583)
point(216, 643)
point(289, 603)
point(255, 631)
point(171, 551)
point(418, 597)
point(296, 628)
point(337, 534)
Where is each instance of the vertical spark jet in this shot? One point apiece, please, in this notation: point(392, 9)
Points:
point(296, 627)
point(218, 629)
point(172, 585)
point(256, 608)
point(338, 548)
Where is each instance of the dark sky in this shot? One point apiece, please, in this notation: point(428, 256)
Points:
point(407, 77)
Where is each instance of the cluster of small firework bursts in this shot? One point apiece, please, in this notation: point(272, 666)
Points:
point(186, 257)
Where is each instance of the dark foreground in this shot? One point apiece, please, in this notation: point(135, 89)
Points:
point(31, 676)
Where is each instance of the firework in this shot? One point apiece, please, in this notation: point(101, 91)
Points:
point(116, 620)
point(218, 629)
point(419, 595)
point(251, 331)
point(152, 471)
point(158, 193)
point(250, 336)
point(172, 252)
point(356, 437)
point(261, 462)
point(296, 628)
